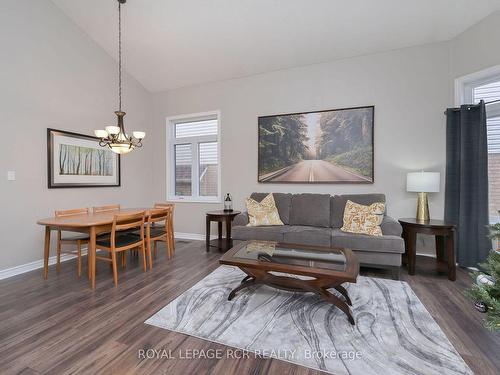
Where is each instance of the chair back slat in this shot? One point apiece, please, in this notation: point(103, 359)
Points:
point(72, 212)
point(160, 214)
point(128, 221)
point(165, 205)
point(111, 207)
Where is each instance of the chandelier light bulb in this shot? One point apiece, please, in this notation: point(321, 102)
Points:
point(113, 130)
point(139, 135)
point(101, 133)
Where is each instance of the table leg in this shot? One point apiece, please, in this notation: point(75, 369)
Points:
point(207, 230)
point(46, 251)
point(450, 249)
point(219, 228)
point(405, 254)
point(245, 283)
point(410, 251)
point(344, 293)
point(337, 302)
point(440, 245)
point(228, 234)
point(92, 255)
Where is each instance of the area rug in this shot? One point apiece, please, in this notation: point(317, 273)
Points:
point(394, 333)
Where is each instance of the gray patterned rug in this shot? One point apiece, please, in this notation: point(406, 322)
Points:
point(394, 333)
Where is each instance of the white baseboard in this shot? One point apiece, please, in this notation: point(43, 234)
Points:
point(426, 255)
point(37, 264)
point(192, 236)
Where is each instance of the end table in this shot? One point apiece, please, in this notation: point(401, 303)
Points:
point(220, 216)
point(445, 238)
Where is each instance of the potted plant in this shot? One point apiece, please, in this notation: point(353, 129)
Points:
point(494, 235)
point(485, 291)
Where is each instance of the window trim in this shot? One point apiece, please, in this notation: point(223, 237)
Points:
point(464, 85)
point(194, 141)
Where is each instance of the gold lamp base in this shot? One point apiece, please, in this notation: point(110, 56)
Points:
point(422, 207)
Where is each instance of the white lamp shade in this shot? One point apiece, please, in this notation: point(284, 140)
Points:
point(139, 135)
point(113, 130)
point(423, 182)
point(101, 133)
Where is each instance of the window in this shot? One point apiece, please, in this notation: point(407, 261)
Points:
point(194, 168)
point(485, 86)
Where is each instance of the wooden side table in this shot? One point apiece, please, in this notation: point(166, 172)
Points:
point(220, 216)
point(445, 240)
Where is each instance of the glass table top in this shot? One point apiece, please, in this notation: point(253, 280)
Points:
point(268, 251)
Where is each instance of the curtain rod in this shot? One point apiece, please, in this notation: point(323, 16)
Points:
point(473, 105)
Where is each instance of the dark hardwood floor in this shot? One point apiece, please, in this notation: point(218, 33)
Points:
point(60, 326)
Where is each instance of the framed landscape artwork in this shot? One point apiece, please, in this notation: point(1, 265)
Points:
point(334, 146)
point(77, 160)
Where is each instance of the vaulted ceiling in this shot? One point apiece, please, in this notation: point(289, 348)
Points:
point(174, 43)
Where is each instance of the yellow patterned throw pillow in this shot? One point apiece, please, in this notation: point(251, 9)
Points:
point(263, 213)
point(363, 219)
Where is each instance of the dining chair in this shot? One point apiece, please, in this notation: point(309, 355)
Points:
point(111, 207)
point(155, 231)
point(119, 241)
point(170, 228)
point(77, 239)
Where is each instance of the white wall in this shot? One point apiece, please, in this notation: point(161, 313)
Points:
point(53, 75)
point(410, 89)
point(476, 48)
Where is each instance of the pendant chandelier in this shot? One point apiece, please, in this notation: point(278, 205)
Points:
point(115, 137)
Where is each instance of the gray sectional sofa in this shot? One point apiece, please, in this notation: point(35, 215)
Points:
point(316, 219)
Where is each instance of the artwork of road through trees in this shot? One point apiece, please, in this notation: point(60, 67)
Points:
point(334, 146)
point(76, 160)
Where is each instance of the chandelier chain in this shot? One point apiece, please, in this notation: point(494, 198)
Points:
point(114, 137)
point(120, 55)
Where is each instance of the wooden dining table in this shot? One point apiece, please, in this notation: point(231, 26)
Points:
point(91, 223)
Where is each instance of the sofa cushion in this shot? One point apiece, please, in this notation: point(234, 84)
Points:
point(241, 219)
point(268, 233)
point(338, 202)
point(263, 212)
point(308, 235)
point(283, 203)
point(372, 258)
point(310, 209)
point(363, 242)
point(362, 219)
point(391, 226)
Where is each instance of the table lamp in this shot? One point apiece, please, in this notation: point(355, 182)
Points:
point(423, 183)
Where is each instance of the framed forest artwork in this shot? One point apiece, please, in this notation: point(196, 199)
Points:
point(77, 160)
point(334, 146)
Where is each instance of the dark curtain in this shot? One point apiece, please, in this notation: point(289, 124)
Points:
point(466, 193)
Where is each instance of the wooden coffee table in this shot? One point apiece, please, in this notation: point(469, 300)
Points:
point(297, 268)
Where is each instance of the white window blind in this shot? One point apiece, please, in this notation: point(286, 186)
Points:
point(490, 92)
point(208, 166)
point(196, 128)
point(183, 169)
point(195, 158)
